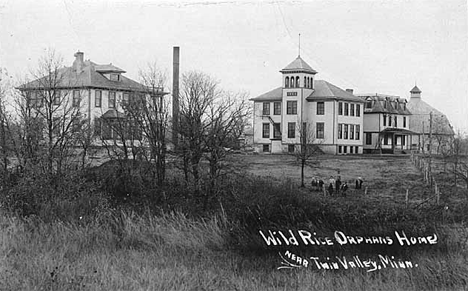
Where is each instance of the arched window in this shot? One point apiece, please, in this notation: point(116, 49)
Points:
point(297, 82)
point(305, 82)
point(292, 82)
point(286, 84)
point(308, 82)
point(311, 83)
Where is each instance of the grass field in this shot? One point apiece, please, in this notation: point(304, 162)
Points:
point(141, 251)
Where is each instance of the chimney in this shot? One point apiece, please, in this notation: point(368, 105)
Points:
point(175, 96)
point(350, 91)
point(79, 61)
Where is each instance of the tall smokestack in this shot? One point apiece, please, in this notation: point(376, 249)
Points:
point(175, 97)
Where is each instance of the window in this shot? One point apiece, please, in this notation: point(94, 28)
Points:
point(368, 138)
point(291, 93)
point(291, 129)
point(345, 131)
point(346, 109)
point(345, 149)
point(339, 149)
point(311, 83)
point(266, 108)
point(351, 131)
point(291, 148)
point(320, 108)
point(111, 99)
point(277, 108)
point(126, 99)
point(358, 110)
point(98, 99)
point(76, 98)
point(403, 140)
point(385, 120)
point(340, 131)
point(404, 121)
point(389, 120)
point(351, 112)
point(286, 82)
point(340, 108)
point(358, 132)
point(266, 130)
point(305, 82)
point(396, 121)
point(57, 95)
point(350, 150)
point(297, 82)
point(115, 77)
point(385, 142)
point(277, 130)
point(369, 104)
point(266, 148)
point(320, 130)
point(291, 107)
point(356, 150)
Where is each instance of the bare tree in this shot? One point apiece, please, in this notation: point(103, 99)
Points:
point(49, 111)
point(307, 150)
point(211, 121)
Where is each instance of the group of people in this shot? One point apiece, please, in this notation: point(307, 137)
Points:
point(334, 186)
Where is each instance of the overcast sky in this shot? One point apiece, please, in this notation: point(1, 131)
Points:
point(370, 46)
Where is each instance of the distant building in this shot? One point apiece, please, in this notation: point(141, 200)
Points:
point(440, 127)
point(99, 92)
point(330, 117)
point(386, 124)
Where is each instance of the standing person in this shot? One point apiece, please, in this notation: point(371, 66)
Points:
point(344, 188)
point(338, 185)
point(330, 189)
point(357, 184)
point(331, 184)
point(314, 183)
point(320, 185)
point(360, 182)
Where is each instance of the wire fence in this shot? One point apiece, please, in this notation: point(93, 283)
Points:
point(421, 162)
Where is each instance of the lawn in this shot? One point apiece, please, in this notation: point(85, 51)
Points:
point(127, 250)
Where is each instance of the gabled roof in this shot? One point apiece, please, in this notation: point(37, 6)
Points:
point(420, 120)
point(298, 65)
point(326, 90)
point(87, 77)
point(415, 90)
point(273, 95)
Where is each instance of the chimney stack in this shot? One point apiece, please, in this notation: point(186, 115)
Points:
point(175, 97)
point(79, 61)
point(350, 91)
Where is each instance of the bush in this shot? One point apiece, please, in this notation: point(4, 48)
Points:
point(68, 197)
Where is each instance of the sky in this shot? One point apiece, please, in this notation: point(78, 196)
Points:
point(370, 46)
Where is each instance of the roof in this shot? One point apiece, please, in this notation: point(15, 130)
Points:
point(420, 120)
point(88, 76)
point(273, 95)
point(108, 68)
point(298, 65)
point(397, 130)
point(415, 90)
point(326, 90)
point(112, 113)
point(322, 91)
point(394, 104)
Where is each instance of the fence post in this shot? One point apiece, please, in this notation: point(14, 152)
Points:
point(365, 192)
point(406, 198)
